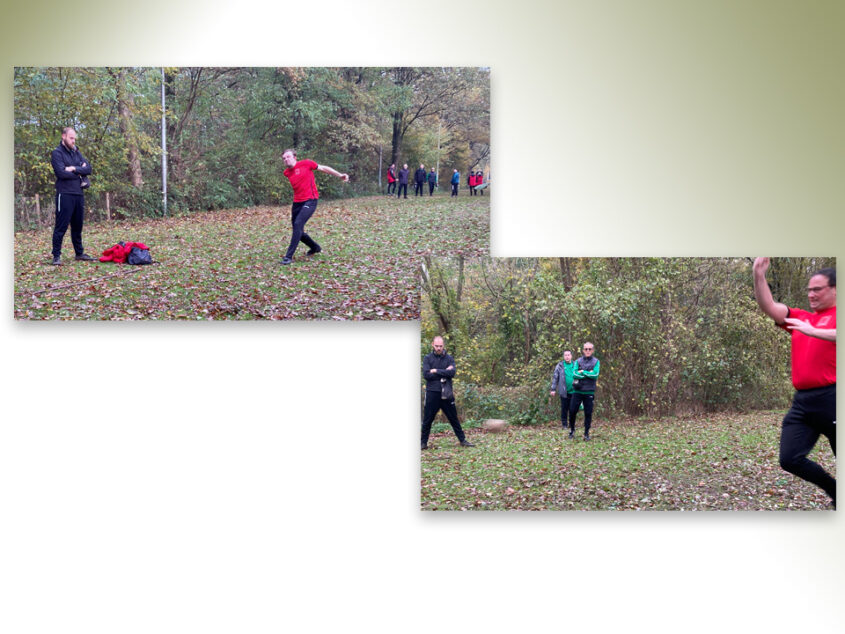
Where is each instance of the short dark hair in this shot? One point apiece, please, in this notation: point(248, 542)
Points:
point(829, 273)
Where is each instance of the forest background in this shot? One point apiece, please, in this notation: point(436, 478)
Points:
point(226, 129)
point(675, 336)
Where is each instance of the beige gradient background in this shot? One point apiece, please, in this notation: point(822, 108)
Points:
point(253, 482)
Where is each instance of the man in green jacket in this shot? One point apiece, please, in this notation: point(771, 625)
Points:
point(583, 389)
point(562, 384)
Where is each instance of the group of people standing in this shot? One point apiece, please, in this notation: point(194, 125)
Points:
point(575, 383)
point(397, 181)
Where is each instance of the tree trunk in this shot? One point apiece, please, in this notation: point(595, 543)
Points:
point(125, 103)
point(396, 142)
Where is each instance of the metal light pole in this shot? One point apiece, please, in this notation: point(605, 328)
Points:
point(163, 147)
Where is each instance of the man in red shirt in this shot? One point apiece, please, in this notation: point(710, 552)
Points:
point(301, 177)
point(813, 410)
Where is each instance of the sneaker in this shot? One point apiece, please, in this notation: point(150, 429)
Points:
point(287, 260)
point(57, 260)
point(423, 446)
point(84, 258)
point(466, 443)
point(586, 436)
point(572, 435)
point(314, 251)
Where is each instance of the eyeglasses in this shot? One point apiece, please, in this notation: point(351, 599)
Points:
point(816, 289)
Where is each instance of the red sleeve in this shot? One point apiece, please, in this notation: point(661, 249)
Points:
point(797, 313)
point(310, 164)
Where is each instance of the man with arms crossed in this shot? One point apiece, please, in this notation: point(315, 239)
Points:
point(301, 177)
point(69, 166)
point(438, 370)
point(584, 377)
point(813, 410)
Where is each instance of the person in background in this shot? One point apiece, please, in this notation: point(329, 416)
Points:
point(391, 179)
point(432, 181)
point(403, 181)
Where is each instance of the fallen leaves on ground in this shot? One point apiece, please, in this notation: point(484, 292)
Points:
point(226, 264)
point(715, 462)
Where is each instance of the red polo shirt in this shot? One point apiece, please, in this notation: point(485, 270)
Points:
point(301, 177)
point(813, 359)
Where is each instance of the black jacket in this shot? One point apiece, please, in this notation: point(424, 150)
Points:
point(403, 177)
point(69, 182)
point(420, 176)
point(439, 363)
point(432, 177)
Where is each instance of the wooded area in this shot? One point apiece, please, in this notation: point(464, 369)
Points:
point(226, 129)
point(674, 335)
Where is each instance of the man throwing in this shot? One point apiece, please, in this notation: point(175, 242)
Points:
point(301, 177)
point(584, 377)
point(69, 166)
point(438, 370)
point(813, 410)
point(562, 384)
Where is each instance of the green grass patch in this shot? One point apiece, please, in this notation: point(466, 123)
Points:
point(715, 462)
point(225, 264)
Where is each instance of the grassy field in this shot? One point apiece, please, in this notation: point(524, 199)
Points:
point(225, 264)
point(717, 462)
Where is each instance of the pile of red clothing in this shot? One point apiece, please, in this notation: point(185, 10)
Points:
point(119, 252)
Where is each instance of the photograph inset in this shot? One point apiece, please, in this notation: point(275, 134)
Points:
point(211, 174)
point(628, 384)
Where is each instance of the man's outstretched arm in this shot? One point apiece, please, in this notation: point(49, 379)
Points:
point(763, 294)
point(333, 172)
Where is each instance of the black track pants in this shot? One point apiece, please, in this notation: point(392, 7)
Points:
point(433, 404)
point(299, 215)
point(813, 413)
point(574, 404)
point(70, 210)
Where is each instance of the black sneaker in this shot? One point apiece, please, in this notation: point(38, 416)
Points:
point(57, 260)
point(84, 258)
point(313, 251)
point(423, 446)
point(586, 436)
point(572, 435)
point(466, 443)
point(287, 260)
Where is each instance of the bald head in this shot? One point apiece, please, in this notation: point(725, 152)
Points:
point(437, 344)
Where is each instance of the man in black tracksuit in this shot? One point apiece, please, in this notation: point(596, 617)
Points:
point(419, 180)
point(584, 376)
point(69, 167)
point(438, 370)
point(403, 181)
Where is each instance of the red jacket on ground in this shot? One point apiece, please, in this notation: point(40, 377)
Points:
point(119, 253)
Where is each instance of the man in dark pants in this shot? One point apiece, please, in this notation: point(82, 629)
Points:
point(438, 370)
point(305, 196)
point(403, 181)
point(69, 166)
point(419, 180)
point(584, 377)
point(456, 179)
point(432, 181)
point(562, 385)
point(813, 410)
